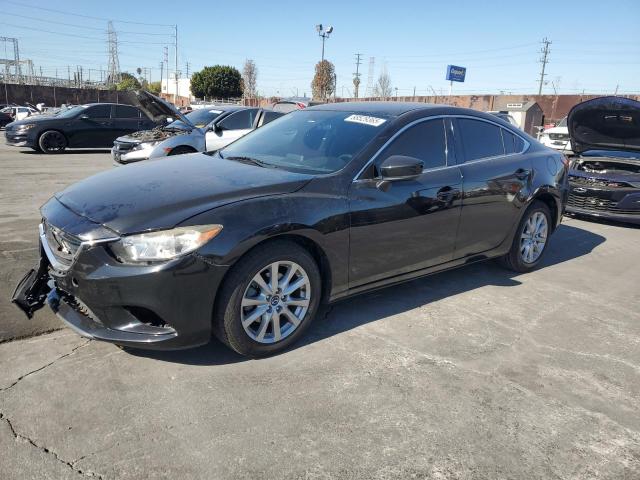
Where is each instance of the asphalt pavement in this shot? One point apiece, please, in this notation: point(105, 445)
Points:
point(477, 373)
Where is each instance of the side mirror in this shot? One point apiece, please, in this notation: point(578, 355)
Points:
point(400, 167)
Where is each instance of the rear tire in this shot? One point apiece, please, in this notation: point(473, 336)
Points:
point(52, 141)
point(531, 239)
point(257, 320)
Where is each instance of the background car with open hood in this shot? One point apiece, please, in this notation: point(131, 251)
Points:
point(604, 177)
point(202, 130)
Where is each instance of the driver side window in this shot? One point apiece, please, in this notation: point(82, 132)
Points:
point(426, 141)
point(241, 120)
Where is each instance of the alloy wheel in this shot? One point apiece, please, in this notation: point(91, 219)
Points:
point(275, 302)
point(53, 142)
point(534, 237)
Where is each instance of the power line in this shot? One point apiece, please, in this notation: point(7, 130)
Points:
point(85, 16)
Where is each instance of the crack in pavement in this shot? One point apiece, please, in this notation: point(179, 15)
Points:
point(72, 465)
point(44, 366)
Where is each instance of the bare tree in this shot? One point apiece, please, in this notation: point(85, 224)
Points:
point(249, 78)
point(323, 83)
point(383, 85)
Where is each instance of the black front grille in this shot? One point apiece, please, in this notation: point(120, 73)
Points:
point(63, 245)
point(124, 147)
point(595, 204)
point(559, 136)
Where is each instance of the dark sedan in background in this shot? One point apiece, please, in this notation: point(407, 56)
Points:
point(95, 125)
point(321, 204)
point(605, 175)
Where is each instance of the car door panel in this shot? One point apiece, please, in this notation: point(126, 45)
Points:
point(409, 227)
point(231, 127)
point(401, 226)
point(494, 191)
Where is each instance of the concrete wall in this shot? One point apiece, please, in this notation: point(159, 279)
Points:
point(56, 96)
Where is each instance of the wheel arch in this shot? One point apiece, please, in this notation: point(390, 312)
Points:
point(310, 245)
point(45, 130)
point(189, 149)
point(545, 196)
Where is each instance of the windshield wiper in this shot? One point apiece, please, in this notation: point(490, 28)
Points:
point(251, 161)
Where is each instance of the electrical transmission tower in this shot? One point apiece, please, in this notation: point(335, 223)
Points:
point(544, 60)
point(113, 73)
point(356, 76)
point(372, 64)
point(15, 62)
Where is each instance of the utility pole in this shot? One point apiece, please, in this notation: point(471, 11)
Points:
point(188, 65)
point(176, 96)
point(166, 64)
point(356, 76)
point(544, 60)
point(324, 33)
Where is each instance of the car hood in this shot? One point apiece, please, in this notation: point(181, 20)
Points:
point(160, 195)
point(605, 123)
point(157, 109)
point(33, 119)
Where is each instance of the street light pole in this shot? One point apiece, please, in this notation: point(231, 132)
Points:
point(324, 33)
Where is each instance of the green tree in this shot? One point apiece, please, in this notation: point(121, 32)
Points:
point(323, 83)
point(154, 87)
point(128, 82)
point(218, 81)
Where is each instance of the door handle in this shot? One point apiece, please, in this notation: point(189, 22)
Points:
point(522, 174)
point(446, 194)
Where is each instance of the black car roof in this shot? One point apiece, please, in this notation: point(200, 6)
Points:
point(395, 109)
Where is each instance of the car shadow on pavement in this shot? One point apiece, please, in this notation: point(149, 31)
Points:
point(66, 152)
point(567, 243)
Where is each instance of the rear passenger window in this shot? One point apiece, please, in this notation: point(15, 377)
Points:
point(426, 141)
point(480, 139)
point(127, 111)
point(512, 142)
point(98, 111)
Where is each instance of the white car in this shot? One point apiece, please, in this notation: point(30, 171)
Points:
point(202, 130)
point(19, 113)
point(557, 137)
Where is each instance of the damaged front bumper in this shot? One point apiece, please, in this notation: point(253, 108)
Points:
point(151, 306)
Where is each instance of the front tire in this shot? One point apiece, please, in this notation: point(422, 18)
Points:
point(531, 239)
point(181, 151)
point(258, 314)
point(52, 141)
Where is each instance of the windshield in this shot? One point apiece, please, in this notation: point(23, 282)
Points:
point(308, 141)
point(200, 118)
point(72, 112)
point(562, 123)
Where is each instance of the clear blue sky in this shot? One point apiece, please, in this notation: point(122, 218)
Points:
point(596, 44)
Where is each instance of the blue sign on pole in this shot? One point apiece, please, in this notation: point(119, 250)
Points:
point(455, 73)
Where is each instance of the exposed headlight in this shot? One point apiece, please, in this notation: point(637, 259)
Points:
point(144, 145)
point(26, 126)
point(163, 245)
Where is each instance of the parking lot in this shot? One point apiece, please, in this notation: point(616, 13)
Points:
point(473, 373)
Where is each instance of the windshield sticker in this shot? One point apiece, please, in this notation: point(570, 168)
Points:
point(365, 120)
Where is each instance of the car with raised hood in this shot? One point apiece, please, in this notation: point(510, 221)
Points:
point(604, 177)
point(201, 130)
point(94, 125)
point(324, 203)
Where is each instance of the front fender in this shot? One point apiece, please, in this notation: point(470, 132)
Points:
point(322, 220)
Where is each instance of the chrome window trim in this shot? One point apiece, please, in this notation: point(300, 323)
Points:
point(526, 146)
point(83, 245)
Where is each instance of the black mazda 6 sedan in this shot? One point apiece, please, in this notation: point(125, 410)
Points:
point(321, 204)
point(95, 125)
